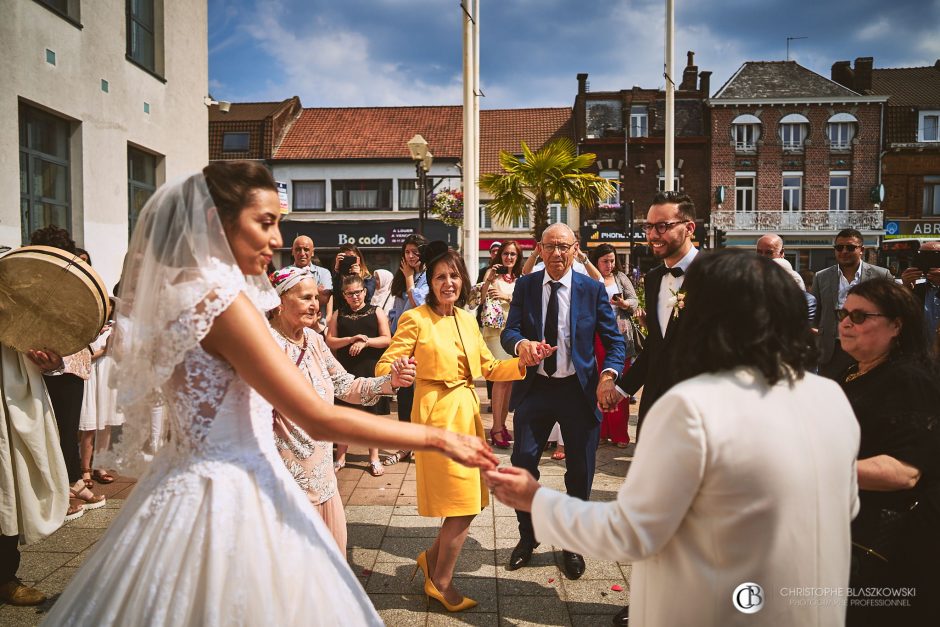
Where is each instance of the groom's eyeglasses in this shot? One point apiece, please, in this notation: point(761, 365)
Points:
point(661, 227)
point(857, 316)
point(849, 247)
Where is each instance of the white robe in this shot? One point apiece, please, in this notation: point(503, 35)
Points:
point(34, 484)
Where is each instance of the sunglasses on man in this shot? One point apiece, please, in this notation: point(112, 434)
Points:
point(849, 247)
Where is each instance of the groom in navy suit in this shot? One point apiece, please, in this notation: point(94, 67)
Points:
point(559, 308)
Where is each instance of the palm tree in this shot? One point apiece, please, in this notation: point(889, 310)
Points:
point(553, 173)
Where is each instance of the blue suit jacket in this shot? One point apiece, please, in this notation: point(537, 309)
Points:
point(590, 313)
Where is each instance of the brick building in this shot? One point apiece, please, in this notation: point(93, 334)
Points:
point(910, 167)
point(249, 130)
point(348, 175)
point(626, 130)
point(795, 153)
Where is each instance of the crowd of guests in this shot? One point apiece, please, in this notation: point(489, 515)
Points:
point(788, 426)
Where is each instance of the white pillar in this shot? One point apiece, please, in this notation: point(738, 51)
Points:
point(470, 241)
point(669, 167)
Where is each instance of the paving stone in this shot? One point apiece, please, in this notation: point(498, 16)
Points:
point(405, 510)
point(365, 535)
point(413, 527)
point(373, 496)
point(100, 518)
point(388, 481)
point(594, 596)
point(532, 610)
point(401, 610)
point(406, 500)
point(481, 619)
point(408, 488)
point(476, 564)
point(66, 540)
point(37, 565)
point(374, 514)
point(394, 577)
point(401, 549)
point(361, 559)
point(11, 616)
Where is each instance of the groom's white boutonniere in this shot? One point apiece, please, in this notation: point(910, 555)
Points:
point(677, 302)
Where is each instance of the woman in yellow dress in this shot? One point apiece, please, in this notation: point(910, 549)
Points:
point(445, 342)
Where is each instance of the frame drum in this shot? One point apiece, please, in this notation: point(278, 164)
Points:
point(50, 300)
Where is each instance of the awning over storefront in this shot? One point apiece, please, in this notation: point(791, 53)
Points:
point(366, 234)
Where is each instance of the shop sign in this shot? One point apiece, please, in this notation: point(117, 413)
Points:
point(923, 229)
point(366, 233)
point(524, 243)
point(282, 196)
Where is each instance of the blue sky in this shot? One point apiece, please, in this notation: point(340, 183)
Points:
point(408, 52)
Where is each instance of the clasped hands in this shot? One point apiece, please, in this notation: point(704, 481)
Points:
point(403, 372)
point(531, 353)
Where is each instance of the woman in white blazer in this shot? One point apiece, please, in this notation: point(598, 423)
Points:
point(737, 506)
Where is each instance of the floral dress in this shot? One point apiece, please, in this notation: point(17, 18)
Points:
point(310, 461)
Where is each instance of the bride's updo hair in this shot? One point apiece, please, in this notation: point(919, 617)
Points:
point(232, 184)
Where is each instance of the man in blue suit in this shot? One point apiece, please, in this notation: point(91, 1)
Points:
point(561, 309)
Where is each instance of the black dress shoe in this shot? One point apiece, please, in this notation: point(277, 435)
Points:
point(572, 564)
point(622, 619)
point(521, 554)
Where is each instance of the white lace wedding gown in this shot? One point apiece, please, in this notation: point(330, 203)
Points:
point(216, 532)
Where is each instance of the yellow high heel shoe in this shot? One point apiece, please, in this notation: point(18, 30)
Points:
point(433, 593)
point(422, 563)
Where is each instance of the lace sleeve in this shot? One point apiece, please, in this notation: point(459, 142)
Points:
point(349, 388)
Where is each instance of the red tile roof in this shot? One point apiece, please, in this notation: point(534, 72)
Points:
point(372, 133)
point(383, 132)
point(908, 86)
point(506, 129)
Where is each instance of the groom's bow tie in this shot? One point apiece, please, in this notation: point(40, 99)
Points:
point(676, 272)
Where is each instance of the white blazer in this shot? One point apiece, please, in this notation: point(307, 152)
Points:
point(733, 482)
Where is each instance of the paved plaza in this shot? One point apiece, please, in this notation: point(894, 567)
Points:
point(385, 536)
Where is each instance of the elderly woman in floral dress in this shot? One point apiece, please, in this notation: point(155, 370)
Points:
point(311, 461)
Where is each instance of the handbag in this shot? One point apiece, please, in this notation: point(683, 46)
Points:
point(639, 338)
point(890, 538)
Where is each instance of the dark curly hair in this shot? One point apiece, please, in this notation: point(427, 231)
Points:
point(54, 236)
point(742, 309)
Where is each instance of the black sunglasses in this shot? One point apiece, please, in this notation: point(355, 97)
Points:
point(849, 247)
point(857, 316)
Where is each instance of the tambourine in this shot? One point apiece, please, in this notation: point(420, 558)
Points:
point(50, 300)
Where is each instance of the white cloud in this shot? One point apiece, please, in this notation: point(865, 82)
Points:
point(328, 65)
point(876, 30)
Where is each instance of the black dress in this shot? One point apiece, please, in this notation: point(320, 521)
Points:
point(363, 322)
point(898, 408)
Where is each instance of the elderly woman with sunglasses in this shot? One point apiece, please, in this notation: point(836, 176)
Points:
point(894, 391)
point(311, 461)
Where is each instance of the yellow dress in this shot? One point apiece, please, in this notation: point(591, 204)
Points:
point(449, 353)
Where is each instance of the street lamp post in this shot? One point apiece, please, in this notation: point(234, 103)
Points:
point(421, 155)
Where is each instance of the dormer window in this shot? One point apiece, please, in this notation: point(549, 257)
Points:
point(928, 126)
point(745, 131)
point(841, 131)
point(793, 131)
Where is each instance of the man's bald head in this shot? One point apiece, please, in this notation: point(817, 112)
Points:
point(559, 228)
point(302, 251)
point(770, 245)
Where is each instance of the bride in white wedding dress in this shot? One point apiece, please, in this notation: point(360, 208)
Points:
point(217, 532)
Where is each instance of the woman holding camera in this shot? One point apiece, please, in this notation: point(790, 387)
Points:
point(494, 295)
point(350, 262)
point(624, 302)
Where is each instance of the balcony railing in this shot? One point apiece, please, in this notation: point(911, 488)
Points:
point(867, 220)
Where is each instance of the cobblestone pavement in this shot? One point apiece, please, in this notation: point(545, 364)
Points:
point(385, 536)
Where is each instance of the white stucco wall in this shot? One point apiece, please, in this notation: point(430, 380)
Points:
point(105, 123)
